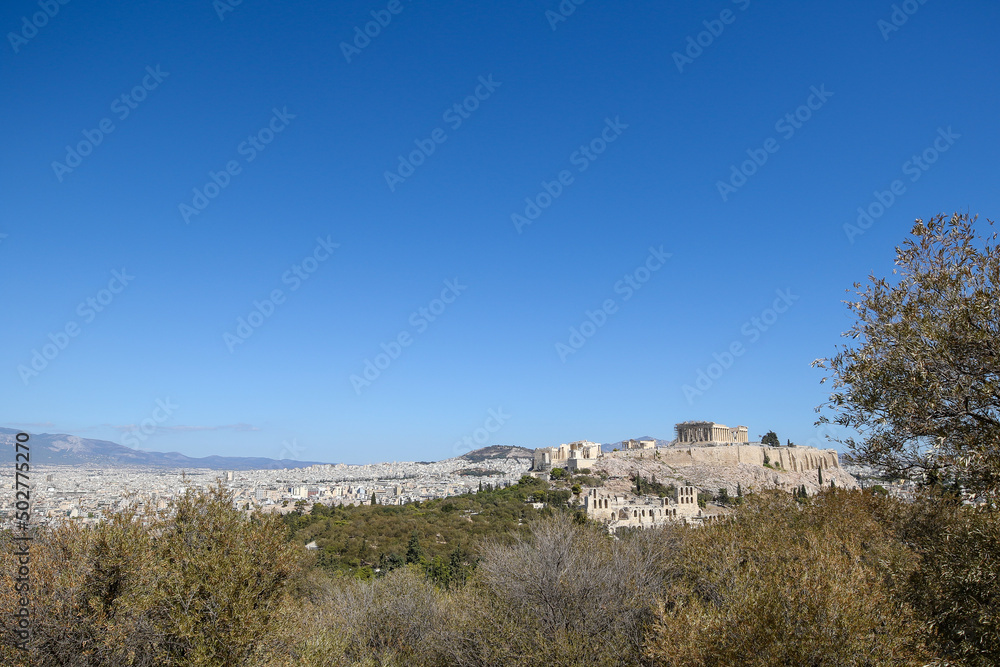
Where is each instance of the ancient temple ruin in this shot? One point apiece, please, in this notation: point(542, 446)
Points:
point(709, 434)
point(632, 445)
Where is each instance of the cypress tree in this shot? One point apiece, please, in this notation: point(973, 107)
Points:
point(413, 552)
point(820, 469)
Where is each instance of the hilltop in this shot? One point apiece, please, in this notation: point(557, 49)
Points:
point(498, 452)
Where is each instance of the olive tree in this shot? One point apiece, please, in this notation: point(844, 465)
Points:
point(919, 379)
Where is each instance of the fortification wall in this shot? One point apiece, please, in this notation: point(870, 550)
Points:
point(798, 459)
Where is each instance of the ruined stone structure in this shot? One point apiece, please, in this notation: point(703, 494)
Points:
point(631, 445)
point(574, 456)
point(709, 434)
point(627, 510)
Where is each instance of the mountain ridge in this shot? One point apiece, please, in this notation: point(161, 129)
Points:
point(66, 449)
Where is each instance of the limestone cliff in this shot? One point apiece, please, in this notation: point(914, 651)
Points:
point(712, 468)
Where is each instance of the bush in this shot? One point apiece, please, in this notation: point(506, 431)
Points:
point(397, 620)
point(846, 578)
point(588, 480)
point(782, 584)
point(566, 595)
point(200, 587)
point(956, 587)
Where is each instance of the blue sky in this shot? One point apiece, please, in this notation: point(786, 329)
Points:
point(248, 159)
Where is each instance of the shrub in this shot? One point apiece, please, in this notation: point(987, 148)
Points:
point(782, 584)
point(566, 595)
point(198, 587)
point(956, 587)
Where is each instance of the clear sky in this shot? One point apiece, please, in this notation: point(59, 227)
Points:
point(592, 203)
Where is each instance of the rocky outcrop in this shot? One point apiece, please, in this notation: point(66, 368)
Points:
point(794, 459)
point(730, 467)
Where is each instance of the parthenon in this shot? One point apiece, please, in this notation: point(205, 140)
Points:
point(710, 433)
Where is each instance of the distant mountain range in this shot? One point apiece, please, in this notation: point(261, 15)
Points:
point(62, 449)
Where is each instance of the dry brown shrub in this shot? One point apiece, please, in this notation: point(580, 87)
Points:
point(198, 587)
point(786, 584)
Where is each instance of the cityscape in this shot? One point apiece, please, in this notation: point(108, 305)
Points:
point(89, 495)
point(448, 334)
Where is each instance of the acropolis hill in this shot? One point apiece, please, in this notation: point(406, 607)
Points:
point(706, 455)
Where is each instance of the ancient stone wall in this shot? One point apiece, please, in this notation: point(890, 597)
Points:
point(798, 459)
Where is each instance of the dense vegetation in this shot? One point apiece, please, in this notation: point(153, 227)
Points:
point(437, 535)
point(843, 578)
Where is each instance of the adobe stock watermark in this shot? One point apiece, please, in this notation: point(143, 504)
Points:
point(223, 7)
point(141, 432)
point(581, 158)
point(381, 18)
point(901, 13)
point(752, 330)
point(420, 320)
point(87, 310)
point(696, 44)
point(565, 9)
point(290, 450)
point(30, 27)
point(495, 420)
point(21, 575)
point(294, 277)
point(825, 433)
point(915, 167)
point(629, 284)
point(122, 106)
point(787, 126)
point(249, 148)
point(454, 116)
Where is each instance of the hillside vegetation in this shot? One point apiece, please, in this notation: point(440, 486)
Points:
point(843, 578)
point(362, 540)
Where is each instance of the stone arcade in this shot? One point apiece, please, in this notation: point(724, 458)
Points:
point(627, 510)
